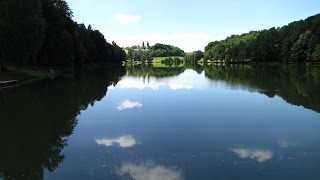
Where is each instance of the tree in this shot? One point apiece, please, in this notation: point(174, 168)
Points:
point(22, 30)
point(143, 46)
point(295, 42)
point(3, 31)
point(299, 48)
point(58, 46)
point(158, 50)
point(148, 45)
point(42, 32)
point(198, 55)
point(267, 46)
point(316, 53)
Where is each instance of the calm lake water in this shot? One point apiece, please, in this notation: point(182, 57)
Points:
point(165, 123)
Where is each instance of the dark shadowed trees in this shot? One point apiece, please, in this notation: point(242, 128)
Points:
point(42, 32)
point(22, 30)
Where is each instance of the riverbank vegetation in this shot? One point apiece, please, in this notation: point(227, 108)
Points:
point(297, 42)
point(42, 33)
point(158, 52)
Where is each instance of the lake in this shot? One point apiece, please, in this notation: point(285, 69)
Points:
point(168, 123)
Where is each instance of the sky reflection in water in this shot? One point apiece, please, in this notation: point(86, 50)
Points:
point(191, 127)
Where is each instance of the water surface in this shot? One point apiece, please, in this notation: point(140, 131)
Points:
point(212, 122)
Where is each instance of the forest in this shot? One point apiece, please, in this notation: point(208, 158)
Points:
point(147, 53)
point(297, 42)
point(43, 33)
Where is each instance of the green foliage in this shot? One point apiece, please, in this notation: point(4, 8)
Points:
point(194, 56)
point(158, 50)
point(235, 47)
point(316, 53)
point(148, 46)
point(163, 50)
point(295, 42)
point(42, 32)
point(22, 30)
point(143, 46)
point(300, 47)
point(267, 46)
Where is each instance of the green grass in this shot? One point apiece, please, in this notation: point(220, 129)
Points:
point(160, 59)
point(6, 76)
point(24, 73)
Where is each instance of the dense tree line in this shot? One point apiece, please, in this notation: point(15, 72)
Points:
point(194, 56)
point(42, 32)
point(237, 47)
point(146, 53)
point(296, 42)
point(163, 50)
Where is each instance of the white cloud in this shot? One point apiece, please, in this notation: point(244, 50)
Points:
point(123, 141)
point(148, 171)
point(255, 154)
point(128, 105)
point(126, 18)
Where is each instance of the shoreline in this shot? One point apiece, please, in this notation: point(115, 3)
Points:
point(210, 62)
point(27, 75)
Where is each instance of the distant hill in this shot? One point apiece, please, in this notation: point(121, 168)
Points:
point(144, 53)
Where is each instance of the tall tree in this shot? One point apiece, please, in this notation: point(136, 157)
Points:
point(22, 30)
point(42, 32)
point(148, 45)
point(58, 46)
point(300, 47)
point(316, 54)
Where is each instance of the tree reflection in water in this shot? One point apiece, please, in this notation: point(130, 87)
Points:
point(37, 119)
point(296, 84)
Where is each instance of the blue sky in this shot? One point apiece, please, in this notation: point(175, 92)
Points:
point(189, 24)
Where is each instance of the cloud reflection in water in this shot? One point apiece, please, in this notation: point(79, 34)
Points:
point(188, 80)
point(255, 154)
point(129, 105)
point(126, 141)
point(148, 171)
point(286, 144)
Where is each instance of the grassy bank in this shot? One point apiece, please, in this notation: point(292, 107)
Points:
point(160, 59)
point(27, 74)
